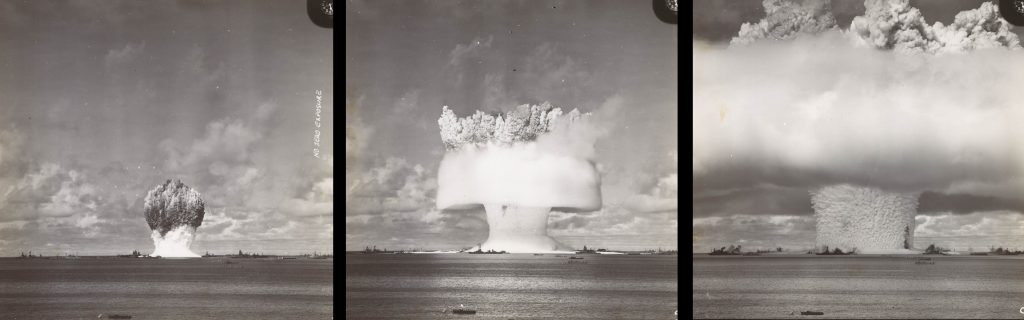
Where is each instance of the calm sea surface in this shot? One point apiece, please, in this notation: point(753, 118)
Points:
point(858, 287)
point(206, 288)
point(511, 286)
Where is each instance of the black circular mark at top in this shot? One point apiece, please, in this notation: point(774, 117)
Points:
point(1012, 11)
point(662, 11)
point(321, 12)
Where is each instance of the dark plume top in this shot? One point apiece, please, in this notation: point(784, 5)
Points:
point(173, 204)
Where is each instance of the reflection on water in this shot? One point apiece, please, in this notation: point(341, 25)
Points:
point(205, 288)
point(858, 286)
point(519, 286)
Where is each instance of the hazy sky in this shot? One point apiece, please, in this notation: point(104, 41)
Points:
point(406, 59)
point(775, 119)
point(103, 100)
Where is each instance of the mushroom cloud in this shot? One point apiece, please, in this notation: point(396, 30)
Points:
point(173, 212)
point(870, 116)
point(519, 167)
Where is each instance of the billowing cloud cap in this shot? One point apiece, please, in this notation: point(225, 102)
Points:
point(171, 205)
point(510, 160)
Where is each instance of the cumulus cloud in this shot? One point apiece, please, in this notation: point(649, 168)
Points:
point(663, 197)
point(53, 201)
point(786, 19)
point(222, 161)
point(394, 186)
point(74, 196)
point(473, 49)
point(50, 191)
point(424, 228)
point(612, 220)
point(464, 55)
point(227, 139)
point(981, 223)
point(118, 56)
point(765, 232)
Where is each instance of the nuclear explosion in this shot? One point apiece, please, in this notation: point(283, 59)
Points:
point(868, 220)
point(173, 212)
point(518, 167)
point(838, 117)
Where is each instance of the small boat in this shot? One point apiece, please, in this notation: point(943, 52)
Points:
point(575, 257)
point(117, 316)
point(538, 254)
point(812, 313)
point(461, 310)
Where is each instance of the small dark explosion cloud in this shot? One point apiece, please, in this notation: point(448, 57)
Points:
point(174, 208)
point(173, 204)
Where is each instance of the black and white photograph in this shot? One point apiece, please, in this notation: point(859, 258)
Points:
point(857, 159)
point(166, 159)
point(511, 159)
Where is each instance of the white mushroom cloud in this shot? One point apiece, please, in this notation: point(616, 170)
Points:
point(822, 109)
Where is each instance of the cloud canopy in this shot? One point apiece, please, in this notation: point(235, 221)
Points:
point(853, 114)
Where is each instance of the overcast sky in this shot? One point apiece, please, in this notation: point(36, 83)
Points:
point(776, 118)
point(406, 59)
point(103, 100)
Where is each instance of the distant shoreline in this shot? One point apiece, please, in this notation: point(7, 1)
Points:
point(168, 258)
point(865, 255)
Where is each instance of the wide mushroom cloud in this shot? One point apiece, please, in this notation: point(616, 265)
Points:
point(877, 113)
point(509, 166)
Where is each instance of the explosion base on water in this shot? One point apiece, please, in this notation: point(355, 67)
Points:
point(173, 212)
point(175, 243)
point(868, 220)
point(520, 230)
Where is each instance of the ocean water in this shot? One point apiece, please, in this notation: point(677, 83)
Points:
point(511, 286)
point(858, 287)
point(206, 288)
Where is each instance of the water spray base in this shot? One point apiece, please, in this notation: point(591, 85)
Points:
point(175, 243)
